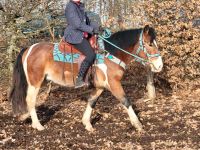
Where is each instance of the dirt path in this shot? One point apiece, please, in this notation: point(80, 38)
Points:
point(172, 122)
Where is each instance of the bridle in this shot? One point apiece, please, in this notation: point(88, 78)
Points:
point(143, 48)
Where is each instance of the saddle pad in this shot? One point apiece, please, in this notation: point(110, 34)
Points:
point(69, 58)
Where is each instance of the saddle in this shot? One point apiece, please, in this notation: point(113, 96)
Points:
point(67, 48)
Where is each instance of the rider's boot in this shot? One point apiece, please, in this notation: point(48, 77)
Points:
point(80, 77)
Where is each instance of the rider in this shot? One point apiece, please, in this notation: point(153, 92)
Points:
point(76, 33)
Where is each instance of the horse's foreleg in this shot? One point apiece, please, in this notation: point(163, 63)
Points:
point(150, 85)
point(118, 92)
point(31, 101)
point(90, 105)
point(133, 117)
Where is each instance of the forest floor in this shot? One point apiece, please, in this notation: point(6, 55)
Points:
point(171, 121)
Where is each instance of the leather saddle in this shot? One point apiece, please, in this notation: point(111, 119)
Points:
point(67, 48)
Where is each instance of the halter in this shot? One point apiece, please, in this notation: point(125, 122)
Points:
point(143, 48)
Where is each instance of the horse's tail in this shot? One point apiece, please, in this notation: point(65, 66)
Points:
point(19, 87)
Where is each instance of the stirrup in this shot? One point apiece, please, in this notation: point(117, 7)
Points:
point(80, 85)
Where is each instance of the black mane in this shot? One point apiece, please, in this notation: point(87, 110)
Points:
point(152, 34)
point(125, 39)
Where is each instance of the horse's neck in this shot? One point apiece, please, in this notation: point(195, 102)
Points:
point(126, 58)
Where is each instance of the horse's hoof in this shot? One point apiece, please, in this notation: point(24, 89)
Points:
point(23, 117)
point(139, 127)
point(90, 128)
point(140, 130)
point(38, 127)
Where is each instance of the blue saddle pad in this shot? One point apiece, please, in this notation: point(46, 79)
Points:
point(69, 58)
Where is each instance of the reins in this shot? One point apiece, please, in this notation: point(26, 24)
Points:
point(135, 56)
point(141, 47)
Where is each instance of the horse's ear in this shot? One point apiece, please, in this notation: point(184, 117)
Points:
point(146, 29)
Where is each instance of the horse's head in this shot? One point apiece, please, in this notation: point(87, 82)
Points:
point(148, 49)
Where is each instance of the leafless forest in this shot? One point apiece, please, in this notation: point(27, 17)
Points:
point(171, 121)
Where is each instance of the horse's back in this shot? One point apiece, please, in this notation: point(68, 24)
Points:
point(39, 50)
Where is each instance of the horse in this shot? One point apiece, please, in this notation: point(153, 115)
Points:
point(36, 63)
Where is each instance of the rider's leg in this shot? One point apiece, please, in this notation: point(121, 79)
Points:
point(87, 50)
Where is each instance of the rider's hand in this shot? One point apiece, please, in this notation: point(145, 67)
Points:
point(96, 31)
point(101, 29)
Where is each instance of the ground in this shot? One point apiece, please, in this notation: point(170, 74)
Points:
point(171, 121)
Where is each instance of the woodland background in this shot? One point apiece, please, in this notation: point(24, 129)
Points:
point(173, 122)
point(177, 24)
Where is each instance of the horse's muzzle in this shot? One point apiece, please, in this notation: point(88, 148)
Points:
point(156, 64)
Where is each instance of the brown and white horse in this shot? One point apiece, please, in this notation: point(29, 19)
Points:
point(36, 63)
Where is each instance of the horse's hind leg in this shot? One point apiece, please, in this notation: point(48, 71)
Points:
point(90, 105)
point(118, 92)
point(31, 101)
point(23, 117)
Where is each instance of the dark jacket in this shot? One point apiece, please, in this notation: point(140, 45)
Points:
point(76, 23)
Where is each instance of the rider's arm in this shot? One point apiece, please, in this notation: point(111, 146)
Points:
point(74, 20)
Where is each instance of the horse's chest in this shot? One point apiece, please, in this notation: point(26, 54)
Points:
point(109, 74)
point(103, 68)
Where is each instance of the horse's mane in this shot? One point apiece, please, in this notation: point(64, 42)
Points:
point(152, 34)
point(126, 38)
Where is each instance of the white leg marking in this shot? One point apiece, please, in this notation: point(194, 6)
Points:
point(150, 85)
point(88, 112)
point(151, 91)
point(31, 101)
point(86, 118)
point(25, 61)
point(134, 119)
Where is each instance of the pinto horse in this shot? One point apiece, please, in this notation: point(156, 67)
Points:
point(36, 63)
